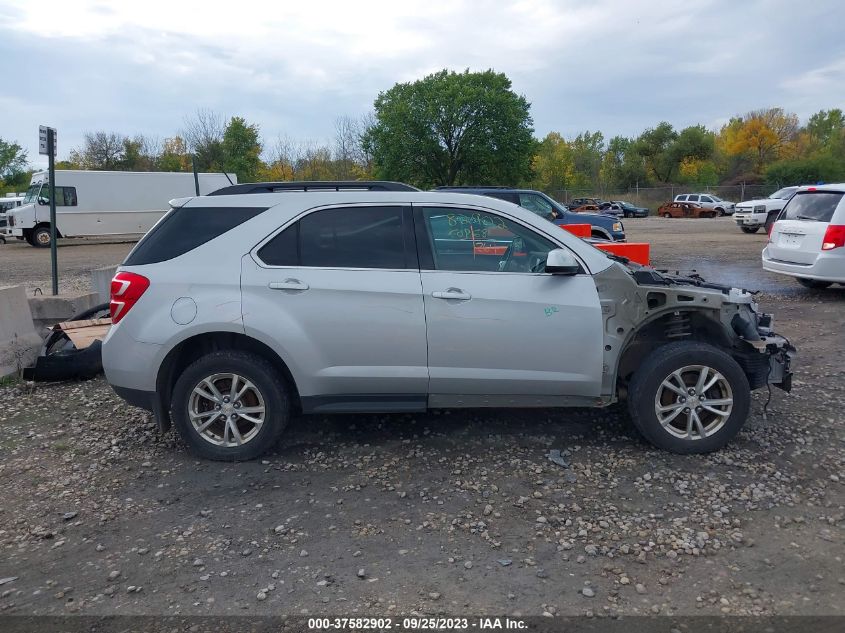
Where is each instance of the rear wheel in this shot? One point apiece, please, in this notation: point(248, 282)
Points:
point(689, 397)
point(815, 284)
point(230, 405)
point(750, 229)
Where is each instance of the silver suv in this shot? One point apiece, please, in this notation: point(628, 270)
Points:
point(708, 201)
point(241, 308)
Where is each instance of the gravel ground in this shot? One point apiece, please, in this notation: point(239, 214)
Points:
point(451, 512)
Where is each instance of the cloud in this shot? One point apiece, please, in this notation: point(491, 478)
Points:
point(612, 65)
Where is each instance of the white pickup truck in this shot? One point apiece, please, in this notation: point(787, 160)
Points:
point(753, 214)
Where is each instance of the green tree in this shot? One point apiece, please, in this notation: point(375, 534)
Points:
point(655, 145)
point(452, 128)
point(241, 150)
point(805, 171)
point(12, 159)
point(587, 150)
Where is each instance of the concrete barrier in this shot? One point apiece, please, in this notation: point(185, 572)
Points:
point(101, 282)
point(48, 310)
point(19, 340)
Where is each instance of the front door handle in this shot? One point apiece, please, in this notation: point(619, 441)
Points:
point(288, 284)
point(456, 294)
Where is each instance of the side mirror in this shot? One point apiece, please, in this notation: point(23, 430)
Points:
point(43, 201)
point(561, 262)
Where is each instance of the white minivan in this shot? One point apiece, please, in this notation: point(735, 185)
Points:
point(91, 203)
point(808, 239)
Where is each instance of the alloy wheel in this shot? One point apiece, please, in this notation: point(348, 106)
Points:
point(693, 402)
point(226, 410)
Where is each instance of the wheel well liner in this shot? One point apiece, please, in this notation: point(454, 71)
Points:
point(189, 350)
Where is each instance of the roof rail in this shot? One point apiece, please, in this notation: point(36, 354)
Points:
point(472, 187)
point(313, 185)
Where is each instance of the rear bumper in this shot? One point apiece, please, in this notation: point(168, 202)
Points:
point(827, 267)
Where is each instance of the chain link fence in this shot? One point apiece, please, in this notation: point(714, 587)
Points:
point(653, 197)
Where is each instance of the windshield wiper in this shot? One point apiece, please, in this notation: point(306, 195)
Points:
point(805, 217)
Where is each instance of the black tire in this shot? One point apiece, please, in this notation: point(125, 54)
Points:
point(40, 237)
point(646, 386)
point(267, 380)
point(750, 229)
point(721, 212)
point(814, 284)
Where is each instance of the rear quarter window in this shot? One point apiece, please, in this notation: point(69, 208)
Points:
point(184, 229)
point(812, 205)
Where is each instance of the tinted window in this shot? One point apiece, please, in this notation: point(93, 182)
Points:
point(466, 240)
point(507, 197)
point(357, 237)
point(706, 199)
point(692, 198)
point(536, 204)
point(183, 229)
point(681, 198)
point(811, 205)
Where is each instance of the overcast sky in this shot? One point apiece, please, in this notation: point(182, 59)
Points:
point(617, 66)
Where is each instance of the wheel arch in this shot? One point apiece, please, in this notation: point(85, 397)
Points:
point(46, 225)
point(661, 328)
point(194, 347)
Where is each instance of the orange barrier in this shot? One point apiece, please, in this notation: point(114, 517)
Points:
point(635, 251)
point(578, 230)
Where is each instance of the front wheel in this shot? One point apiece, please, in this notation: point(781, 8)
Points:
point(667, 215)
point(721, 212)
point(230, 405)
point(750, 229)
point(40, 237)
point(689, 397)
point(815, 284)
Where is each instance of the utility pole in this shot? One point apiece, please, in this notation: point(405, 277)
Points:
point(47, 145)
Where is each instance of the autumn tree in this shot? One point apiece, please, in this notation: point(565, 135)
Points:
point(452, 128)
point(763, 135)
point(174, 155)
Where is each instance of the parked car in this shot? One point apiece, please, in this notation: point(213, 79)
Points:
point(603, 226)
point(808, 239)
point(708, 201)
point(620, 208)
point(631, 210)
point(753, 214)
point(580, 202)
point(241, 308)
point(685, 210)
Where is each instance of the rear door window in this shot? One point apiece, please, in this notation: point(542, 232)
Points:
point(184, 229)
point(354, 237)
point(816, 206)
point(692, 198)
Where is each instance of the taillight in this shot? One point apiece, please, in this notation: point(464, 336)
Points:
point(771, 230)
point(834, 237)
point(126, 289)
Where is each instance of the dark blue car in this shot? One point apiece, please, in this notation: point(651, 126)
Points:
point(603, 226)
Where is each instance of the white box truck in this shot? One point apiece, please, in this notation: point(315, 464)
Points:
point(92, 203)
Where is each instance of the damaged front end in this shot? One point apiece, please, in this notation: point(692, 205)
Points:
point(644, 308)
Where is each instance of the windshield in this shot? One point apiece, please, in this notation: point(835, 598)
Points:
point(32, 193)
point(784, 194)
point(716, 198)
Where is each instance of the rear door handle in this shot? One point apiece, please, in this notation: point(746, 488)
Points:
point(456, 294)
point(288, 284)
